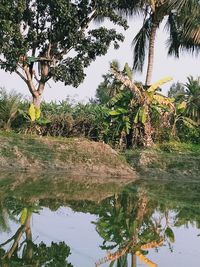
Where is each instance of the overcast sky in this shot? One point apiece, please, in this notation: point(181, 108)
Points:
point(179, 69)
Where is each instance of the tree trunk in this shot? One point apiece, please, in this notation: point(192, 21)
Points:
point(36, 92)
point(151, 54)
point(133, 260)
point(148, 141)
point(37, 101)
point(29, 248)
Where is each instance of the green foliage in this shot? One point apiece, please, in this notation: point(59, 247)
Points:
point(9, 105)
point(58, 36)
point(169, 234)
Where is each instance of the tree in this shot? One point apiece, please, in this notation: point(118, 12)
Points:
point(176, 91)
point(22, 250)
point(128, 224)
point(54, 37)
point(146, 98)
point(154, 12)
point(187, 104)
point(109, 87)
point(192, 97)
point(186, 29)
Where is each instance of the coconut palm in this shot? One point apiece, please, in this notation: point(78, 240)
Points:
point(185, 34)
point(192, 96)
point(154, 12)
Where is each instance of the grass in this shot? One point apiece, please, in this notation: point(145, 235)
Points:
point(51, 153)
point(171, 160)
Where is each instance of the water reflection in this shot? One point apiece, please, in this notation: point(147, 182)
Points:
point(131, 224)
point(133, 221)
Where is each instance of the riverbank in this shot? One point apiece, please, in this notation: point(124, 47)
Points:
point(170, 160)
point(77, 156)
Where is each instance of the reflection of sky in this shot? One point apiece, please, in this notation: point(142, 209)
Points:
point(76, 230)
point(73, 228)
point(186, 250)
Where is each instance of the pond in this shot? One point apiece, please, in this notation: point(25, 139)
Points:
point(58, 221)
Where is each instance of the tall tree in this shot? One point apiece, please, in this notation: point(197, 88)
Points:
point(154, 12)
point(192, 97)
point(40, 40)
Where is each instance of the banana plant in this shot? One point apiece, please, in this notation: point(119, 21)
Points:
point(120, 116)
point(146, 98)
point(122, 226)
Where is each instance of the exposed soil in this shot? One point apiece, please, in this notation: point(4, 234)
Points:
point(74, 155)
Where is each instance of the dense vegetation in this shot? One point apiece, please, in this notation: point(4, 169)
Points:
point(37, 45)
point(116, 116)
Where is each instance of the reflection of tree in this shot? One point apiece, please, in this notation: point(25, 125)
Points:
point(129, 225)
point(23, 251)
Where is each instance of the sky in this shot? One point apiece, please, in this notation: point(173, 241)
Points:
point(164, 66)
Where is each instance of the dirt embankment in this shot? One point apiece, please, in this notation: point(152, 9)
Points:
point(74, 155)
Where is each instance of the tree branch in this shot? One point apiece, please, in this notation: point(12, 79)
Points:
point(85, 24)
point(21, 76)
point(13, 237)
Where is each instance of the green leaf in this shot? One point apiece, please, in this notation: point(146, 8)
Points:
point(37, 113)
point(144, 117)
point(118, 111)
point(189, 122)
point(181, 106)
point(112, 264)
point(170, 234)
point(136, 119)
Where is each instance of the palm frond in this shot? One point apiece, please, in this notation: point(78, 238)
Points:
point(184, 26)
point(173, 41)
point(130, 7)
point(140, 43)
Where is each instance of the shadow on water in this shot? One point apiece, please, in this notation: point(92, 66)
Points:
point(128, 224)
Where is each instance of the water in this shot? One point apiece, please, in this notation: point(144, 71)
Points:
point(151, 222)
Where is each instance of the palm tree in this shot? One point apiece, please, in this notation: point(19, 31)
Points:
point(192, 97)
point(154, 12)
point(186, 29)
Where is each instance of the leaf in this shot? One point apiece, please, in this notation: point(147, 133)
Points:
point(127, 71)
point(136, 120)
point(182, 105)
point(163, 100)
point(118, 111)
point(170, 234)
point(31, 112)
point(127, 124)
point(154, 86)
point(23, 216)
point(142, 115)
point(112, 264)
point(189, 122)
point(37, 113)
